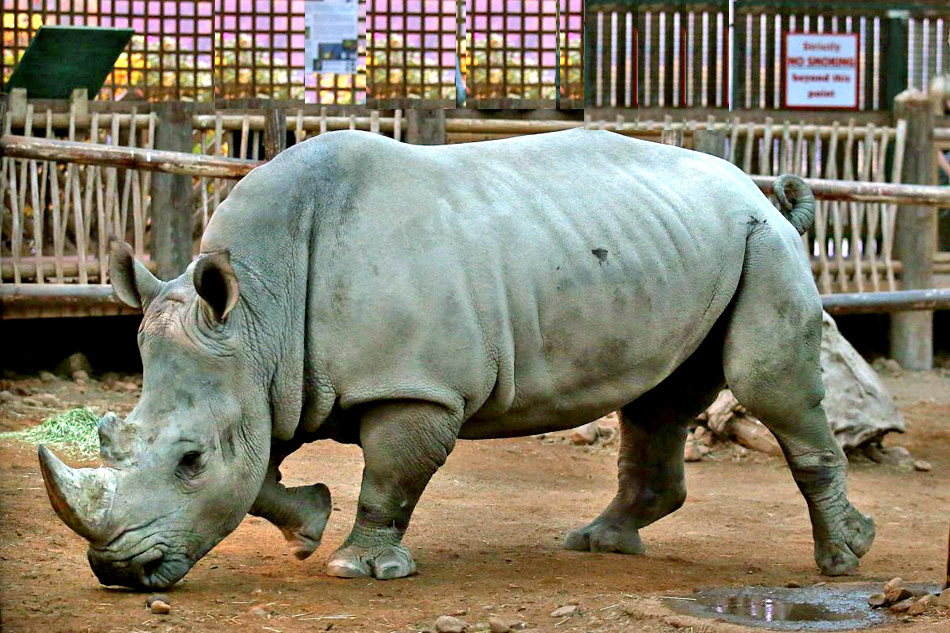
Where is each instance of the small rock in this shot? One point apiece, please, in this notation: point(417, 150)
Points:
point(902, 606)
point(155, 597)
point(692, 452)
point(480, 626)
point(110, 378)
point(462, 611)
point(699, 432)
point(127, 386)
point(897, 594)
point(887, 366)
point(922, 465)
point(916, 608)
point(449, 624)
point(49, 400)
point(792, 585)
point(584, 435)
point(564, 612)
point(898, 452)
point(7, 396)
point(80, 376)
point(944, 599)
point(893, 583)
point(261, 611)
point(160, 607)
point(47, 376)
point(877, 600)
point(926, 599)
point(71, 364)
point(497, 625)
point(31, 402)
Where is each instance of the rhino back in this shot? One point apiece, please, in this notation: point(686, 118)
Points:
point(534, 282)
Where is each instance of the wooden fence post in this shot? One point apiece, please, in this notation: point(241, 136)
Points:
point(426, 126)
point(275, 132)
point(710, 142)
point(172, 194)
point(915, 239)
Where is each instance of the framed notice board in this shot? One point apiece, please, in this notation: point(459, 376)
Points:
point(821, 71)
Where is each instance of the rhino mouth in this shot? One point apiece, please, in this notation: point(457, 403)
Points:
point(154, 568)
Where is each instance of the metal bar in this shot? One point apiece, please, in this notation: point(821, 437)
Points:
point(879, 302)
point(129, 157)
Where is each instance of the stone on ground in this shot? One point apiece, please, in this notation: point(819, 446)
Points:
point(449, 624)
point(857, 403)
point(73, 363)
point(497, 625)
point(565, 611)
point(585, 435)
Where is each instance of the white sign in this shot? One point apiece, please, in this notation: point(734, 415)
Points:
point(821, 70)
point(331, 36)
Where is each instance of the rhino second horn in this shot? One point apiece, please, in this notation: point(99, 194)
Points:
point(81, 497)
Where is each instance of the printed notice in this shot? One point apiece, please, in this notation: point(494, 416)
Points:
point(821, 70)
point(331, 36)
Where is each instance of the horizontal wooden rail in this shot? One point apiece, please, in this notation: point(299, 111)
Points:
point(855, 191)
point(129, 157)
point(220, 167)
point(854, 303)
point(309, 122)
point(879, 302)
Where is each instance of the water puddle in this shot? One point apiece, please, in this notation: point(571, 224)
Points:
point(836, 607)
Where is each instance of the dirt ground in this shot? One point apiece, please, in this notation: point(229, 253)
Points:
point(486, 537)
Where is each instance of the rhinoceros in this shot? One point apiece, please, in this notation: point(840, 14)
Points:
point(403, 297)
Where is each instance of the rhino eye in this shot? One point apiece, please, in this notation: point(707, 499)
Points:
point(190, 464)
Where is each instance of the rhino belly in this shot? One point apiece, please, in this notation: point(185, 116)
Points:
point(593, 336)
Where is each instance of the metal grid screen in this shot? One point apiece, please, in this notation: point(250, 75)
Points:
point(260, 45)
point(174, 60)
point(571, 23)
point(410, 50)
point(512, 44)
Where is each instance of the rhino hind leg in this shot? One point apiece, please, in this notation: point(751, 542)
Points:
point(404, 443)
point(771, 363)
point(651, 477)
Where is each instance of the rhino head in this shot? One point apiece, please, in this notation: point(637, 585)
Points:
point(184, 468)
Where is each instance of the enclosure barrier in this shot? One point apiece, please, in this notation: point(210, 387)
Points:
point(96, 296)
point(199, 165)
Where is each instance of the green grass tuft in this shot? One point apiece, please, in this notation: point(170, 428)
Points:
point(74, 431)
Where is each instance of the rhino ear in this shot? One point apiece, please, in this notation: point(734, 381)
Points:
point(216, 283)
point(131, 281)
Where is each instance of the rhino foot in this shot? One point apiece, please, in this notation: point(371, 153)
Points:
point(301, 545)
point(385, 562)
point(837, 550)
point(601, 536)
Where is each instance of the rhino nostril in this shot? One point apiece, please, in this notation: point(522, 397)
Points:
point(151, 567)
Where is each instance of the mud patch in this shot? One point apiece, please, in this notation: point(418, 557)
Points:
point(841, 607)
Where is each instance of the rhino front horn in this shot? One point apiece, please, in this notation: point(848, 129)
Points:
point(81, 497)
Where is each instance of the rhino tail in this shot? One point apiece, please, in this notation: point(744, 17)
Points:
point(796, 201)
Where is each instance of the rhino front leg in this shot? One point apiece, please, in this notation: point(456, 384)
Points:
point(404, 443)
point(299, 512)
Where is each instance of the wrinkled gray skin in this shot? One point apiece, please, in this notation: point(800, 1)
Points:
point(402, 297)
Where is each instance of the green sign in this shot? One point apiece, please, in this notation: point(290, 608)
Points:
point(61, 58)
